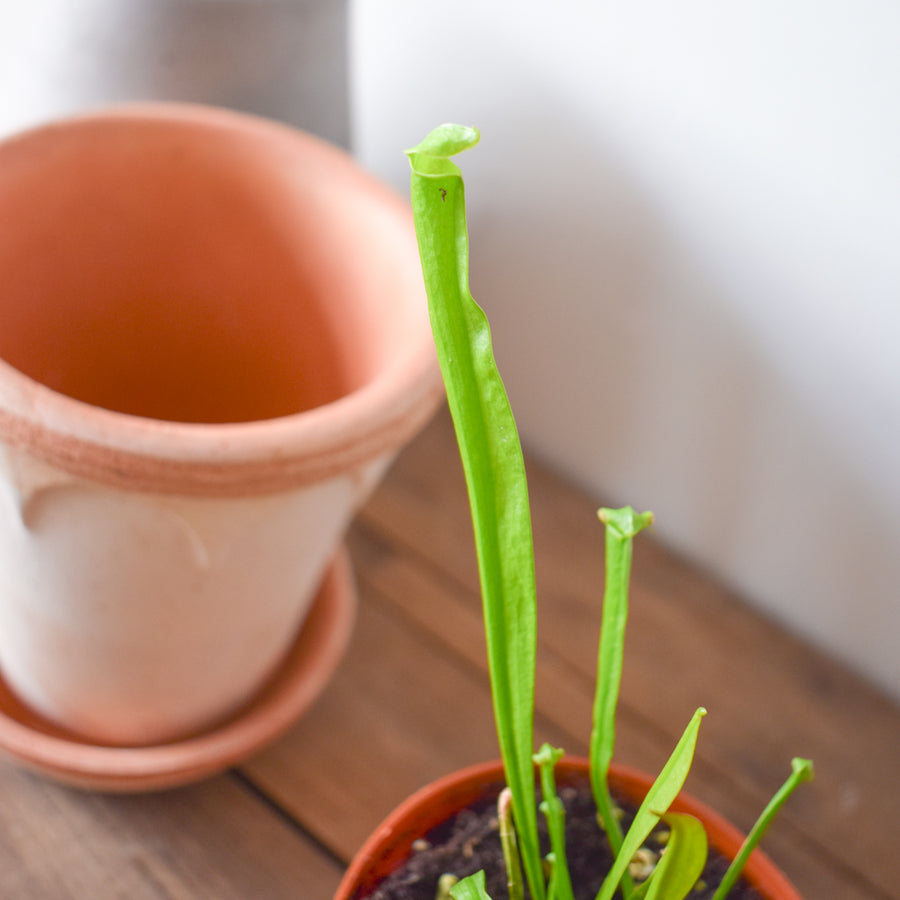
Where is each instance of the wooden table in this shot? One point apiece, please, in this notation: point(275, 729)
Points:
point(410, 702)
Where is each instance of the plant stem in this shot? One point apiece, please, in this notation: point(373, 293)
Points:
point(801, 770)
point(554, 812)
point(622, 525)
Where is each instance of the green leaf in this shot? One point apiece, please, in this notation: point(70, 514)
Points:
point(660, 796)
point(446, 141)
point(622, 525)
point(682, 863)
point(554, 812)
point(470, 888)
point(801, 770)
point(494, 469)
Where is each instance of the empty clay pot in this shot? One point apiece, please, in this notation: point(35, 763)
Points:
point(213, 340)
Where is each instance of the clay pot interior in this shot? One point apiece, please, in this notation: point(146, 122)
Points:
point(151, 265)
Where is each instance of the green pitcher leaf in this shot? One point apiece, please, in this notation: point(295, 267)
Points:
point(682, 863)
point(470, 888)
point(801, 770)
point(555, 814)
point(493, 465)
point(660, 796)
point(443, 142)
point(622, 525)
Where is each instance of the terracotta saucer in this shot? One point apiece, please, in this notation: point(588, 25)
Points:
point(36, 745)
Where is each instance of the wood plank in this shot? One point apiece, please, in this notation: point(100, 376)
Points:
point(214, 840)
point(771, 696)
point(374, 737)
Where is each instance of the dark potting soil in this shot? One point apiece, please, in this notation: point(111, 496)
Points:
point(471, 842)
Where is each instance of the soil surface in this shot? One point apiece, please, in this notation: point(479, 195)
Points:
point(471, 842)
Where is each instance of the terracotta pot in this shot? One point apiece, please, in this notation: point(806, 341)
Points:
point(390, 844)
point(214, 340)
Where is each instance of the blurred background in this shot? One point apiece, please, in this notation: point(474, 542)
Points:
point(285, 59)
point(684, 220)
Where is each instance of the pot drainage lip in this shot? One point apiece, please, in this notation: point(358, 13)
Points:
point(318, 649)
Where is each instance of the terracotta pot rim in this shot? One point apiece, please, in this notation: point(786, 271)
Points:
point(219, 459)
point(465, 785)
point(222, 459)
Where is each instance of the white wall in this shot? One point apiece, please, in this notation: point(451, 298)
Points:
point(280, 58)
point(684, 219)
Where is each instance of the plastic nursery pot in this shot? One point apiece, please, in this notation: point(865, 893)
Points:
point(391, 843)
point(214, 340)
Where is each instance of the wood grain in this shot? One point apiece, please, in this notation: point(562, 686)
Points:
point(215, 840)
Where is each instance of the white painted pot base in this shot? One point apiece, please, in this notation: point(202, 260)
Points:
point(44, 748)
